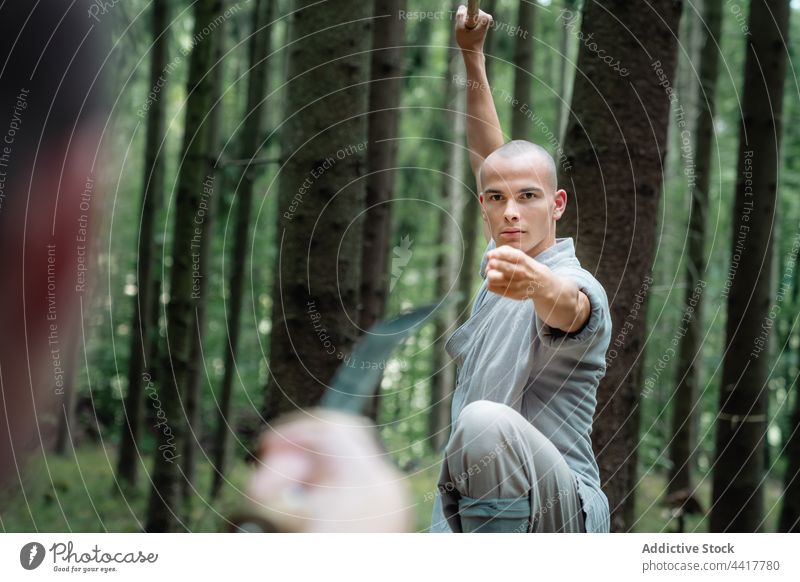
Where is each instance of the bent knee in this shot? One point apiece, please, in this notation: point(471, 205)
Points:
point(482, 427)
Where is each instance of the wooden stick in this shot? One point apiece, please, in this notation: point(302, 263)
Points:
point(473, 9)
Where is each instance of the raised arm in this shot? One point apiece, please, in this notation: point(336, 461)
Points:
point(483, 126)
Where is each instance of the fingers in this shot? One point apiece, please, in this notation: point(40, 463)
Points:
point(506, 268)
point(500, 284)
point(484, 19)
point(511, 262)
point(461, 15)
point(502, 279)
point(507, 253)
point(494, 277)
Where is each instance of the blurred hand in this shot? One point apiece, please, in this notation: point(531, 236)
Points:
point(324, 471)
point(471, 39)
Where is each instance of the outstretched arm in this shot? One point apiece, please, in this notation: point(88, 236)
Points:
point(558, 299)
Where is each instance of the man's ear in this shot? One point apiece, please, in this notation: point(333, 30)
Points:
point(483, 209)
point(560, 204)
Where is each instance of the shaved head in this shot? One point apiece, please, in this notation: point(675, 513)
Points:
point(540, 159)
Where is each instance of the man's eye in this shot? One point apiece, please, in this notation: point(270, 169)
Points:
point(495, 197)
point(528, 195)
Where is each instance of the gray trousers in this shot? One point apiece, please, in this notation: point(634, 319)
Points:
point(501, 474)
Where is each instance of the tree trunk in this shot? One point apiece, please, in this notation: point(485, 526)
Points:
point(419, 44)
point(790, 511)
point(249, 145)
point(472, 241)
point(570, 6)
point(384, 116)
point(523, 71)
point(615, 144)
point(447, 262)
point(194, 188)
point(741, 422)
point(318, 268)
point(684, 439)
point(202, 270)
point(143, 333)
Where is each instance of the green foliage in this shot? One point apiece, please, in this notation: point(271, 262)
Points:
point(666, 308)
point(78, 493)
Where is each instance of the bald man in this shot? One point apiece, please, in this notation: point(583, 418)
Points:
point(531, 355)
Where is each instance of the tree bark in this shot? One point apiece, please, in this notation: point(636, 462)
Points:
point(523, 71)
point(203, 270)
point(249, 147)
point(143, 332)
point(563, 82)
point(615, 147)
point(194, 188)
point(790, 510)
point(741, 422)
point(447, 263)
point(318, 268)
point(383, 120)
point(684, 438)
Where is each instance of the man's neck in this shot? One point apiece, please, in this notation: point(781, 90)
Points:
point(542, 246)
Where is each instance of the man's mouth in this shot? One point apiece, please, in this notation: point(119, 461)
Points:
point(511, 232)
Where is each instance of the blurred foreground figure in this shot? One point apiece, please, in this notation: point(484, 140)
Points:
point(50, 132)
point(320, 471)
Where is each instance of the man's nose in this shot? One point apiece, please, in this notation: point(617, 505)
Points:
point(512, 211)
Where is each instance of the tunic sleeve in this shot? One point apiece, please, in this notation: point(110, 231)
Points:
point(598, 325)
point(485, 259)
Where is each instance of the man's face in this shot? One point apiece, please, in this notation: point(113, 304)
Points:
point(520, 202)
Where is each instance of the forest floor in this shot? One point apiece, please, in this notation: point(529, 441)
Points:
point(77, 493)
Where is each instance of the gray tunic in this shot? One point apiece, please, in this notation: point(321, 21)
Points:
point(505, 353)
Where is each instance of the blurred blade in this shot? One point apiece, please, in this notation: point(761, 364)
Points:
point(351, 388)
point(355, 381)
